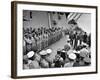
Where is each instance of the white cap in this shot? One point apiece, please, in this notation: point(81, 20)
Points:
point(74, 51)
point(68, 39)
point(77, 52)
point(43, 52)
point(63, 51)
point(72, 56)
point(69, 52)
point(30, 54)
point(49, 51)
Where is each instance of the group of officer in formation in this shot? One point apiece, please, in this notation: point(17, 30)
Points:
point(38, 39)
point(37, 55)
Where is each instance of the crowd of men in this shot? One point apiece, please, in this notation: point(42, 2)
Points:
point(76, 51)
point(77, 38)
point(66, 57)
point(77, 35)
point(38, 39)
point(72, 54)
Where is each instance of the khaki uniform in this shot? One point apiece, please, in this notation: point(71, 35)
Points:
point(37, 57)
point(24, 47)
point(84, 52)
point(33, 44)
point(69, 64)
point(37, 43)
point(28, 44)
point(44, 63)
point(34, 65)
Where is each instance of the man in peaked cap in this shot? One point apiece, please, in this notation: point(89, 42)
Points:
point(43, 52)
point(43, 62)
point(83, 57)
point(26, 59)
point(48, 57)
point(32, 63)
point(84, 52)
point(72, 57)
point(70, 51)
point(28, 55)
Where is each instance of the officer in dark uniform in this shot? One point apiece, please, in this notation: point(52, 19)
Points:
point(76, 40)
point(85, 37)
point(43, 62)
point(71, 36)
point(63, 54)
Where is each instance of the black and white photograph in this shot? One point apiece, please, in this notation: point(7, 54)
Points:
point(56, 39)
point(53, 39)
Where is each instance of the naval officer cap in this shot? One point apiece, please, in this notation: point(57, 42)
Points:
point(49, 51)
point(30, 54)
point(43, 52)
point(72, 56)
